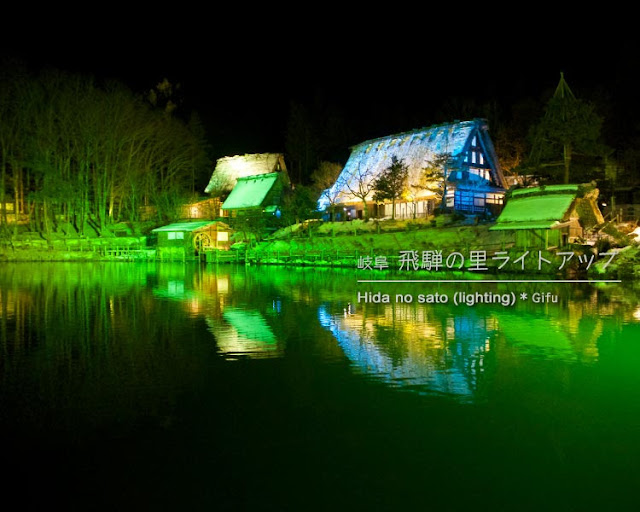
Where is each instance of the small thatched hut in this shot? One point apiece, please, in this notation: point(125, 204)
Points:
point(550, 216)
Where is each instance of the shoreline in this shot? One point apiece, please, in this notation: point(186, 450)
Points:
point(359, 252)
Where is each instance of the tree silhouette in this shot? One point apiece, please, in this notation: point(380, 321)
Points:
point(568, 127)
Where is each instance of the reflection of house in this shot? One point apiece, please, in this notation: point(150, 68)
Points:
point(245, 333)
point(186, 240)
point(421, 356)
point(549, 216)
point(474, 181)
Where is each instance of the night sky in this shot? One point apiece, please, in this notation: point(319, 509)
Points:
point(241, 87)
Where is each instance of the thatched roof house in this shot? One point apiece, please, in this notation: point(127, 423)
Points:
point(549, 216)
point(256, 193)
point(475, 183)
point(230, 168)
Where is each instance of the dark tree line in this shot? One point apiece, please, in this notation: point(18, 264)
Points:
point(555, 135)
point(89, 155)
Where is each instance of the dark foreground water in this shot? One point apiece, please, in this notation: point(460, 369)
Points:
point(144, 387)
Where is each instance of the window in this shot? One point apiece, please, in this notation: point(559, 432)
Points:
point(223, 236)
point(464, 201)
point(494, 199)
point(175, 235)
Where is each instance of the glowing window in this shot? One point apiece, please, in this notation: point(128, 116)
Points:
point(223, 236)
point(175, 235)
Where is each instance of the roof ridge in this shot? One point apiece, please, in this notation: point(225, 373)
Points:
point(249, 155)
point(258, 176)
point(419, 130)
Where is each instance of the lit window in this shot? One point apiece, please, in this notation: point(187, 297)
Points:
point(176, 235)
point(473, 157)
point(481, 156)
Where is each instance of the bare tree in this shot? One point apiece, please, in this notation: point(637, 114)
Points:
point(325, 182)
point(361, 184)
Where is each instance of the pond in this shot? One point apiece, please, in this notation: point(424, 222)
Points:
point(187, 387)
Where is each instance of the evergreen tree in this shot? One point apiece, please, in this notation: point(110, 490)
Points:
point(568, 127)
point(391, 184)
point(435, 176)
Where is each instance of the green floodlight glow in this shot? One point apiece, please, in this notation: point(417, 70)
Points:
point(250, 192)
point(244, 333)
point(518, 329)
point(534, 212)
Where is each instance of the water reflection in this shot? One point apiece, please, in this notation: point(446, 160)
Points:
point(444, 349)
point(252, 313)
point(242, 332)
point(123, 369)
point(238, 330)
point(411, 348)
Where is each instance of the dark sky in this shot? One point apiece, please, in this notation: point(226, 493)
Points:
point(241, 86)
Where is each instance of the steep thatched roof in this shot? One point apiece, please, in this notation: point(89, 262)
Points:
point(250, 192)
point(230, 168)
point(416, 149)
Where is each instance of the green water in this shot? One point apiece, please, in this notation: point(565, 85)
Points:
point(144, 387)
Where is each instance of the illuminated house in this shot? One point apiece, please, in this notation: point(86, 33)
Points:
point(551, 216)
point(203, 209)
point(471, 181)
point(7, 210)
point(262, 174)
point(255, 194)
point(187, 240)
point(230, 168)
